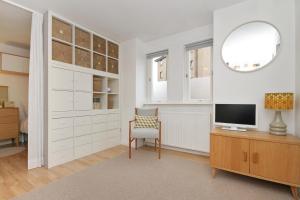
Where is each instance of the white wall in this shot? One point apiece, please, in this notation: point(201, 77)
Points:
point(17, 85)
point(14, 50)
point(297, 8)
point(235, 87)
point(177, 57)
point(132, 82)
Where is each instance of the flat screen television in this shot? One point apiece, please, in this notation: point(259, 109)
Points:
point(235, 116)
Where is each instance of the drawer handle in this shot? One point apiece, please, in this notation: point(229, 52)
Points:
point(99, 63)
point(245, 156)
point(99, 45)
point(255, 158)
point(61, 31)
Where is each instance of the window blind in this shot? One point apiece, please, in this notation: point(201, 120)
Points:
point(197, 45)
point(157, 54)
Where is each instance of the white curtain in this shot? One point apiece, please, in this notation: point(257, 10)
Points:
point(36, 94)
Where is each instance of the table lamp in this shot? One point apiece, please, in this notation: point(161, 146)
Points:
point(279, 102)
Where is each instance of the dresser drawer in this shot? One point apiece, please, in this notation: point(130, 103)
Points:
point(5, 112)
point(99, 119)
point(62, 145)
point(82, 140)
point(83, 101)
point(9, 130)
point(62, 79)
point(62, 123)
point(81, 121)
point(62, 101)
point(112, 66)
point(61, 30)
point(82, 130)
point(83, 82)
point(9, 119)
point(63, 133)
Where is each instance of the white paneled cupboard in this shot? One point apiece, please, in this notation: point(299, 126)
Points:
point(81, 118)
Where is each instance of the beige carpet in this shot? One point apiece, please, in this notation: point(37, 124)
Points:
point(9, 151)
point(147, 178)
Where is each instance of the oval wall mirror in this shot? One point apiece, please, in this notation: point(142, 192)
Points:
point(251, 46)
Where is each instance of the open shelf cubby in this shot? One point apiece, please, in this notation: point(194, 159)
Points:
point(112, 86)
point(99, 101)
point(112, 101)
point(99, 84)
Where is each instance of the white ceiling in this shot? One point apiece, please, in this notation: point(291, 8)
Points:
point(126, 19)
point(15, 25)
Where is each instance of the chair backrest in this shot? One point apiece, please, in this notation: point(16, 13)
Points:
point(146, 111)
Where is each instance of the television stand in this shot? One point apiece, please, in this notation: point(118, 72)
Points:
point(233, 128)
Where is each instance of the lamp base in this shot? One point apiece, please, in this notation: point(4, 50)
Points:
point(278, 127)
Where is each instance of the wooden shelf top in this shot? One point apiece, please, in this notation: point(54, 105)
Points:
point(258, 135)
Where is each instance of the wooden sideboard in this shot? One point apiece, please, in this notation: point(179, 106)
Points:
point(257, 154)
point(9, 124)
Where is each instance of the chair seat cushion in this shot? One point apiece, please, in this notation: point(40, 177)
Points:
point(144, 133)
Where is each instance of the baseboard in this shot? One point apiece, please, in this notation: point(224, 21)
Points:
point(34, 164)
point(179, 149)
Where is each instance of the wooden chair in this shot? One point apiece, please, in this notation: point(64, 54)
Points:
point(145, 133)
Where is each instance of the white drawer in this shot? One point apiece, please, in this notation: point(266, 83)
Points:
point(113, 117)
point(99, 127)
point(82, 130)
point(99, 136)
point(83, 101)
point(81, 151)
point(62, 101)
point(61, 157)
point(62, 123)
point(113, 125)
point(59, 134)
point(62, 79)
point(113, 134)
point(81, 140)
point(99, 119)
point(62, 145)
point(80, 121)
point(83, 82)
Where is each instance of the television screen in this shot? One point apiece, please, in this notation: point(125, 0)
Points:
point(244, 114)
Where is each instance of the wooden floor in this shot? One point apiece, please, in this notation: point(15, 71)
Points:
point(15, 179)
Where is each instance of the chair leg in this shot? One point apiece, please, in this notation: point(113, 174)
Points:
point(159, 148)
point(155, 143)
point(129, 148)
point(135, 143)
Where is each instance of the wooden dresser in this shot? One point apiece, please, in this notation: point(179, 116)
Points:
point(257, 154)
point(9, 124)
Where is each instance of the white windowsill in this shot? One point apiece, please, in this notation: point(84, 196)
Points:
point(200, 102)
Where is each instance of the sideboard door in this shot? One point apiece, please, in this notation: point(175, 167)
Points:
point(230, 153)
point(275, 161)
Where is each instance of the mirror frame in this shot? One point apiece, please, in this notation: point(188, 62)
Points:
point(266, 65)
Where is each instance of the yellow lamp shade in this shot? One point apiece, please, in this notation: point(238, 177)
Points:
point(279, 101)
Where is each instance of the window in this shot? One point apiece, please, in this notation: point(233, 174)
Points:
point(157, 76)
point(199, 70)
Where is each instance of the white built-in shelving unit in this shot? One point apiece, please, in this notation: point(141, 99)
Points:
point(82, 91)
